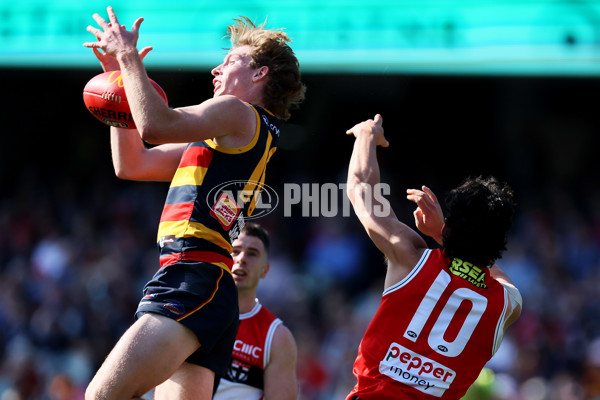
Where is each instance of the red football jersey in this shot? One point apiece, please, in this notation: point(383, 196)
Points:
point(250, 356)
point(433, 332)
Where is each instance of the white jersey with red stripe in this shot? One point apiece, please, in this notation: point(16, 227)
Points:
point(250, 356)
point(433, 332)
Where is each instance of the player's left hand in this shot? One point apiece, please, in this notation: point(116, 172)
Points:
point(109, 63)
point(429, 217)
point(113, 38)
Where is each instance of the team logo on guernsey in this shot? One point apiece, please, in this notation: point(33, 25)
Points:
point(230, 197)
point(238, 371)
point(225, 210)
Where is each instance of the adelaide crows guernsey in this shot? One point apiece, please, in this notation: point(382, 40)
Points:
point(433, 332)
point(213, 189)
point(250, 356)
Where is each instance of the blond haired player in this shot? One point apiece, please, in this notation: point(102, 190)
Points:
point(187, 319)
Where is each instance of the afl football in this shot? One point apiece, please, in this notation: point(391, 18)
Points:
point(104, 97)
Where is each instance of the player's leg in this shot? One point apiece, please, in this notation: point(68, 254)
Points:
point(151, 350)
point(195, 379)
point(189, 382)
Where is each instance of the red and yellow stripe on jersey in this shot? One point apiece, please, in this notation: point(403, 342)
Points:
point(200, 218)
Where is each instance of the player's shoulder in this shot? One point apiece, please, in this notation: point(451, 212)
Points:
point(283, 339)
point(235, 118)
point(281, 334)
point(229, 100)
point(226, 104)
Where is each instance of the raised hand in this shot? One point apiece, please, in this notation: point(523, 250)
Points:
point(114, 38)
point(372, 127)
point(109, 63)
point(429, 217)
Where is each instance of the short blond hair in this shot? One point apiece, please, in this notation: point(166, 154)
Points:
point(284, 89)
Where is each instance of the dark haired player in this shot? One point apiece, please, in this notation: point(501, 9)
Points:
point(443, 312)
point(263, 363)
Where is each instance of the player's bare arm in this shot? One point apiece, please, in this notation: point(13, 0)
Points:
point(280, 374)
point(133, 161)
point(399, 243)
point(155, 121)
point(116, 41)
point(227, 119)
point(516, 301)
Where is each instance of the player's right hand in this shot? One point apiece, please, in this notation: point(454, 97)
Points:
point(109, 63)
point(372, 127)
point(429, 217)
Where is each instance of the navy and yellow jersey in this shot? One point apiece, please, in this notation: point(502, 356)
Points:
point(212, 191)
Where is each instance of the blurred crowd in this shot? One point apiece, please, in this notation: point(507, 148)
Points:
point(76, 252)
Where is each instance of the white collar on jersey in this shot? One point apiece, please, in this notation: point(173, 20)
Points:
point(252, 312)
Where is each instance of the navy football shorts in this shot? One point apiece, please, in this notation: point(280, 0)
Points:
point(204, 298)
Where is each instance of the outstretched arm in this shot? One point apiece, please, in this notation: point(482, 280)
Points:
point(157, 123)
point(121, 44)
point(401, 245)
point(131, 159)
